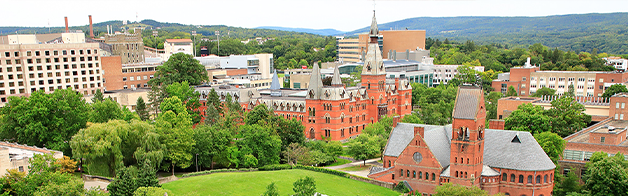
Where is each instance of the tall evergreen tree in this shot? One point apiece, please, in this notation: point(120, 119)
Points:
point(124, 184)
point(146, 176)
point(98, 96)
point(140, 109)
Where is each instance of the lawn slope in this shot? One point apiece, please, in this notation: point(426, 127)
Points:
point(254, 183)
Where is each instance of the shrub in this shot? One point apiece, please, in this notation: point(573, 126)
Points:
point(275, 167)
point(401, 187)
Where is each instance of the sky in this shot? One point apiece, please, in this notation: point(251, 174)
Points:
point(343, 15)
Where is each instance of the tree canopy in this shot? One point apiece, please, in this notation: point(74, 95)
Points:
point(614, 89)
point(180, 67)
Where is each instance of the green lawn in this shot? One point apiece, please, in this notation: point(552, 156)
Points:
point(254, 183)
point(356, 168)
point(339, 162)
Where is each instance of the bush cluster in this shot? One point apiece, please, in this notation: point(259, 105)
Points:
point(216, 171)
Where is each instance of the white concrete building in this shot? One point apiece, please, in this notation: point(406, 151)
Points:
point(173, 46)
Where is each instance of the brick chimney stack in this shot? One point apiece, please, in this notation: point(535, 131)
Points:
point(66, 25)
point(91, 28)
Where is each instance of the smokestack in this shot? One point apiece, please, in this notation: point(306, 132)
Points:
point(66, 25)
point(91, 28)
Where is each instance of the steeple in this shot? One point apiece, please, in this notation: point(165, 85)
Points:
point(316, 83)
point(275, 90)
point(335, 80)
point(373, 64)
point(374, 30)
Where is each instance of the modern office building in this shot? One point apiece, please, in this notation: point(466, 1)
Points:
point(28, 64)
point(349, 50)
point(396, 40)
point(527, 79)
point(444, 73)
point(258, 63)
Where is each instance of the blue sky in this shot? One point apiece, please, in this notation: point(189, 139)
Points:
point(344, 15)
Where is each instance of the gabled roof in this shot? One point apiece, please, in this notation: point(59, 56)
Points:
point(499, 151)
point(316, 83)
point(335, 80)
point(467, 102)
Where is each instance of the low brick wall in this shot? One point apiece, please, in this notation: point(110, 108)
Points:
point(96, 178)
point(163, 180)
point(374, 182)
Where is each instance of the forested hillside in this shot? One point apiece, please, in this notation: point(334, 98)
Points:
point(578, 32)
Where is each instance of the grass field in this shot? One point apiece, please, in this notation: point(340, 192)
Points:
point(254, 183)
point(339, 162)
point(356, 168)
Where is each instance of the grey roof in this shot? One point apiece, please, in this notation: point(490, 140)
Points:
point(488, 171)
point(374, 30)
point(274, 85)
point(499, 151)
point(467, 102)
point(436, 137)
point(335, 80)
point(376, 169)
point(528, 155)
point(316, 83)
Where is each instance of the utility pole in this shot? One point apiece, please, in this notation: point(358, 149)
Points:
point(218, 37)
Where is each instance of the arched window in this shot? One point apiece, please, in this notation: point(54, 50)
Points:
point(401, 172)
point(456, 174)
point(529, 179)
point(427, 176)
point(465, 174)
point(512, 177)
point(456, 160)
point(504, 177)
point(545, 178)
point(420, 175)
point(407, 173)
point(433, 176)
point(413, 174)
point(507, 194)
point(468, 161)
point(520, 178)
point(538, 179)
point(389, 165)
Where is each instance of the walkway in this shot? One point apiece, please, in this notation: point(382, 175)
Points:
point(95, 183)
point(363, 173)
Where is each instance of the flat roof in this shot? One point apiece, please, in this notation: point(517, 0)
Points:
point(620, 125)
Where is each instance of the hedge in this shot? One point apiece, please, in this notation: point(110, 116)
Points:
point(275, 167)
point(216, 171)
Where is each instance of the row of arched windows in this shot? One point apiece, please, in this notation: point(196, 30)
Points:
point(420, 176)
point(530, 179)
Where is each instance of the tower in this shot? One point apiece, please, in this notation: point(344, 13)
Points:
point(467, 138)
point(374, 76)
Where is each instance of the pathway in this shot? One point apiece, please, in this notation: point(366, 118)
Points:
point(363, 173)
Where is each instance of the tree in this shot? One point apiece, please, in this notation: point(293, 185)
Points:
point(146, 175)
point(140, 109)
point(491, 104)
point(608, 176)
point(189, 96)
point(179, 67)
point(544, 91)
point(468, 75)
point(552, 144)
point(261, 142)
point(210, 142)
point(98, 96)
point(44, 120)
point(296, 154)
point(364, 147)
point(448, 189)
point(74, 186)
point(249, 161)
point(412, 118)
point(66, 165)
point(568, 184)
point(124, 184)
point(271, 190)
point(174, 126)
point(151, 191)
point(530, 118)
point(570, 91)
point(511, 92)
point(304, 187)
point(568, 116)
point(109, 146)
point(108, 109)
point(614, 89)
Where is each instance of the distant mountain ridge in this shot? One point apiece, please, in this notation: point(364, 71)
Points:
point(324, 32)
point(608, 32)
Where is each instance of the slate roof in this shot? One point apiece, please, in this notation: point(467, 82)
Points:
point(467, 102)
point(488, 171)
point(499, 151)
point(335, 80)
point(375, 170)
point(316, 83)
point(274, 84)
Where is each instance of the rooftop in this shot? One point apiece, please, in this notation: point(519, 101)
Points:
point(179, 40)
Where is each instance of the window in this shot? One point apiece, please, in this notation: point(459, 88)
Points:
point(520, 178)
point(420, 175)
point(413, 174)
point(524, 79)
point(433, 176)
point(602, 139)
point(529, 179)
point(504, 177)
point(538, 179)
point(407, 173)
point(581, 79)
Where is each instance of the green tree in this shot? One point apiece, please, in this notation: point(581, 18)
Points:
point(491, 104)
point(511, 92)
point(552, 144)
point(179, 67)
point(614, 89)
point(608, 176)
point(261, 142)
point(568, 184)
point(174, 126)
point(140, 109)
point(108, 109)
point(146, 175)
point(98, 96)
point(304, 187)
point(412, 118)
point(568, 116)
point(448, 189)
point(468, 75)
point(364, 147)
point(44, 120)
point(249, 161)
point(124, 184)
point(296, 154)
point(151, 191)
point(271, 190)
point(544, 91)
point(73, 187)
point(189, 96)
point(570, 91)
point(210, 142)
point(530, 118)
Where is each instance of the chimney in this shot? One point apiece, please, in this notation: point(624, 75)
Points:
point(395, 121)
point(419, 130)
point(91, 28)
point(496, 124)
point(66, 25)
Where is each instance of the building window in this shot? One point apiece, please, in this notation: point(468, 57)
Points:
point(538, 179)
point(504, 177)
point(520, 178)
point(420, 175)
point(433, 176)
point(529, 179)
point(602, 139)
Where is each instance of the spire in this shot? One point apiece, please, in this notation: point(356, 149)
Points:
point(275, 90)
point(374, 30)
point(335, 80)
point(316, 83)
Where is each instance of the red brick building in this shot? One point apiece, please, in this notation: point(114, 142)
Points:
point(334, 112)
point(465, 153)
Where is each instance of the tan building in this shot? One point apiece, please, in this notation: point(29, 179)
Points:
point(28, 67)
point(16, 156)
point(128, 46)
point(118, 76)
point(396, 40)
point(127, 97)
point(173, 46)
point(349, 50)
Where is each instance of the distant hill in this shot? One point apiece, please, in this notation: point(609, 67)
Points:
point(324, 32)
point(577, 32)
